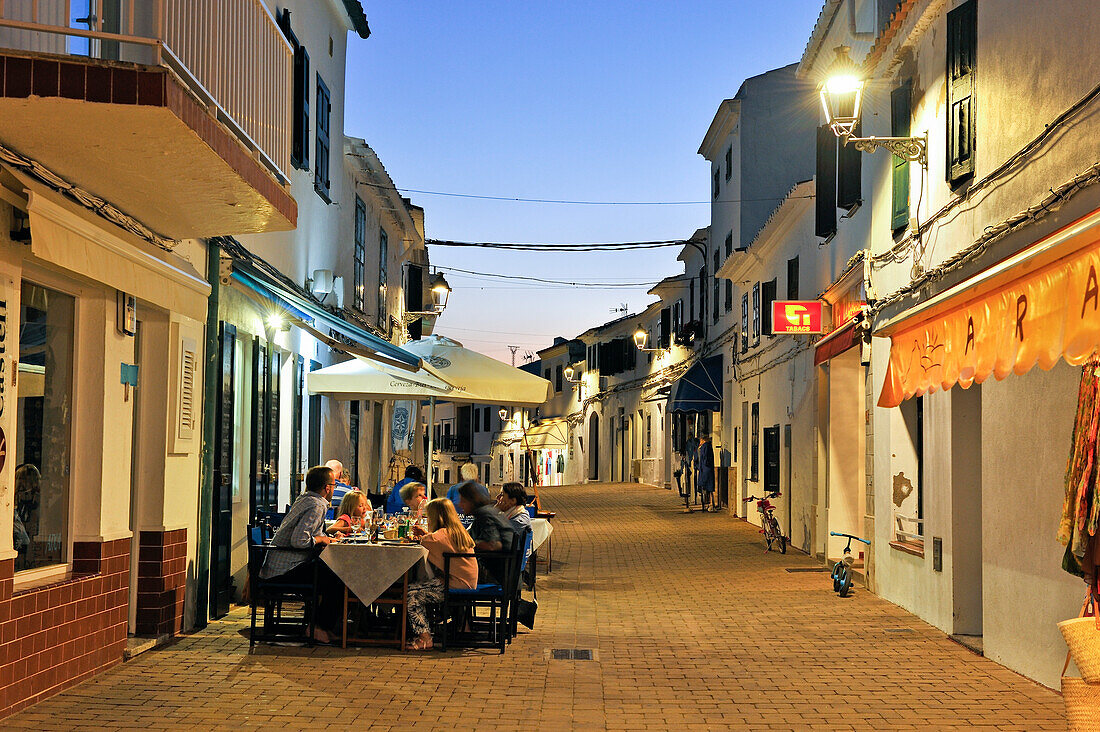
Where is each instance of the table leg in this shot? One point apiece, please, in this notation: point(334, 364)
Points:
point(344, 636)
point(404, 608)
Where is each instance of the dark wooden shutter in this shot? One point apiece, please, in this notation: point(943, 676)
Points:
point(666, 328)
point(297, 473)
point(962, 31)
point(300, 145)
point(825, 225)
point(272, 453)
point(900, 115)
point(258, 443)
point(321, 178)
point(848, 192)
point(221, 535)
point(414, 299)
point(353, 434)
point(792, 278)
point(767, 297)
point(314, 429)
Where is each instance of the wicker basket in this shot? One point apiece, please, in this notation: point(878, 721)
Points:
point(1083, 638)
point(1082, 701)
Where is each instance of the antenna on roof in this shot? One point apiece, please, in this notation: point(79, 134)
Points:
point(621, 309)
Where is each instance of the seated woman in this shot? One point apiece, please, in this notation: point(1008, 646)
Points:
point(353, 507)
point(445, 534)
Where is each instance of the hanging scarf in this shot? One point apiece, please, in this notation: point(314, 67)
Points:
point(1080, 509)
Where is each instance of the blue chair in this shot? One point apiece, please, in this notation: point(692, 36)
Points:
point(496, 596)
point(271, 593)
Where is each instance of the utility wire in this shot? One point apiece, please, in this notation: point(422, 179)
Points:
point(529, 247)
point(549, 281)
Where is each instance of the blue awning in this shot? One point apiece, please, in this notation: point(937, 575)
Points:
point(700, 389)
point(312, 313)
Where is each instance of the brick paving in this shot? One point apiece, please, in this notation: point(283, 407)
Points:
point(693, 625)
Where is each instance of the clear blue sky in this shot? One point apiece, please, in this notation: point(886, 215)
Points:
point(594, 101)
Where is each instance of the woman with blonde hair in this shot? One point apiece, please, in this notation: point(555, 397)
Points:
point(445, 534)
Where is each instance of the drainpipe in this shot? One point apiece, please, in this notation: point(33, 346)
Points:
point(209, 435)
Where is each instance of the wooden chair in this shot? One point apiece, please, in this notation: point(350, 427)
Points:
point(272, 593)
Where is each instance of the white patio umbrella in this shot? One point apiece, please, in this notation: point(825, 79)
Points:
point(449, 372)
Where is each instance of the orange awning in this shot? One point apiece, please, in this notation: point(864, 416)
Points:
point(1034, 312)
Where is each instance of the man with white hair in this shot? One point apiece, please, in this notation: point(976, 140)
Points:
point(468, 471)
point(342, 487)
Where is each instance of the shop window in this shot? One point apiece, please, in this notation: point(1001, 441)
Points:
point(907, 479)
point(42, 446)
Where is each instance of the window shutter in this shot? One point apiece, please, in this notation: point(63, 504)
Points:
point(414, 299)
point(744, 322)
point(792, 278)
point(962, 31)
point(186, 417)
point(826, 182)
point(756, 313)
point(729, 297)
point(900, 114)
point(666, 327)
point(848, 192)
point(300, 145)
point(767, 295)
point(729, 243)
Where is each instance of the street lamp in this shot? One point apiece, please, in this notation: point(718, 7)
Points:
point(842, 100)
point(441, 292)
point(503, 415)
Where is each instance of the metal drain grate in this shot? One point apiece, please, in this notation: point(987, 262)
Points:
point(898, 630)
point(808, 569)
point(571, 654)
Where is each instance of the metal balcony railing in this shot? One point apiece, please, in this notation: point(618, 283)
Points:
point(230, 53)
point(454, 443)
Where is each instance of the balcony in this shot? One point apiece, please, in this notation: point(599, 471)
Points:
point(178, 112)
point(454, 443)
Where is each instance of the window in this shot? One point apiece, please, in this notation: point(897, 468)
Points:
point(717, 292)
point(476, 419)
point(360, 266)
point(792, 278)
point(299, 149)
point(744, 322)
point(729, 295)
point(729, 162)
point(754, 455)
point(702, 293)
point(908, 473)
point(648, 433)
point(767, 295)
point(717, 182)
point(324, 115)
point(546, 374)
point(756, 313)
point(558, 378)
point(42, 444)
point(900, 114)
point(485, 420)
point(729, 243)
point(663, 333)
point(825, 180)
point(691, 300)
point(678, 317)
point(962, 31)
point(383, 276)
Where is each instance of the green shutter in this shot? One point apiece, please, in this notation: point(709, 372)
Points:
point(962, 30)
point(825, 180)
point(900, 114)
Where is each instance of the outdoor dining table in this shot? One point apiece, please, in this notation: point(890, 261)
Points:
point(368, 570)
point(540, 534)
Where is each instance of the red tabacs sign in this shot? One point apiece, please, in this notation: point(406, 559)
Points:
point(797, 316)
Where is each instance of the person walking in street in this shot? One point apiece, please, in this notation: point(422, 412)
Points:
point(302, 530)
point(704, 471)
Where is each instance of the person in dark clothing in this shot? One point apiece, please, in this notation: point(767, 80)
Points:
point(394, 504)
point(704, 471)
point(490, 530)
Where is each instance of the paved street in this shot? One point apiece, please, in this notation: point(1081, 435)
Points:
point(693, 627)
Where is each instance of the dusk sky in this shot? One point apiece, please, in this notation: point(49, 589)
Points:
point(595, 101)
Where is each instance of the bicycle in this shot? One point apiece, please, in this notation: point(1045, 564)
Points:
point(842, 570)
point(770, 526)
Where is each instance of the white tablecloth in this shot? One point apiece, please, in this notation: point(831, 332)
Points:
point(540, 532)
point(369, 569)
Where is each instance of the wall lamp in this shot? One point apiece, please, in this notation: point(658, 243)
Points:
point(503, 413)
point(842, 100)
point(640, 340)
point(569, 373)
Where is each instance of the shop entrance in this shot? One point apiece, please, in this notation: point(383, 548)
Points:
point(966, 510)
point(847, 436)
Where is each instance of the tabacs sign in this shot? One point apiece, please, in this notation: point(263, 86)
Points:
point(797, 316)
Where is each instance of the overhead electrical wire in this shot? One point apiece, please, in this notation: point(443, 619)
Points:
point(530, 247)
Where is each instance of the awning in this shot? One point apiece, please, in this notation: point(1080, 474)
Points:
point(1034, 308)
point(548, 435)
point(700, 389)
point(312, 314)
point(836, 343)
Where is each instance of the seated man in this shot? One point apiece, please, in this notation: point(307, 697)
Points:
point(468, 471)
point(393, 502)
point(490, 531)
point(512, 504)
point(302, 529)
point(342, 486)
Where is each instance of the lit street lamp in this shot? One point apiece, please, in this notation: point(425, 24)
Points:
point(640, 340)
point(842, 100)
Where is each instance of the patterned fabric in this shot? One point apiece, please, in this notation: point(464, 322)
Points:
point(421, 595)
point(304, 520)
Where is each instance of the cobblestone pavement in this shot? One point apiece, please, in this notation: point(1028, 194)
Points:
point(692, 624)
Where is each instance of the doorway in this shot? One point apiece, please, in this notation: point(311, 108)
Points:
point(136, 482)
point(846, 485)
point(221, 528)
point(593, 446)
point(966, 510)
point(266, 361)
point(771, 459)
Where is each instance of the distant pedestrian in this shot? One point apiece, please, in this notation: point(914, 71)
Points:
point(704, 471)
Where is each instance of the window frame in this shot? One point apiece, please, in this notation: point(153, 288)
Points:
point(322, 179)
point(744, 322)
point(383, 275)
point(756, 314)
point(359, 265)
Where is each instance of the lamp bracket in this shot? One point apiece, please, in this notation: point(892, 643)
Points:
point(913, 149)
point(413, 317)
